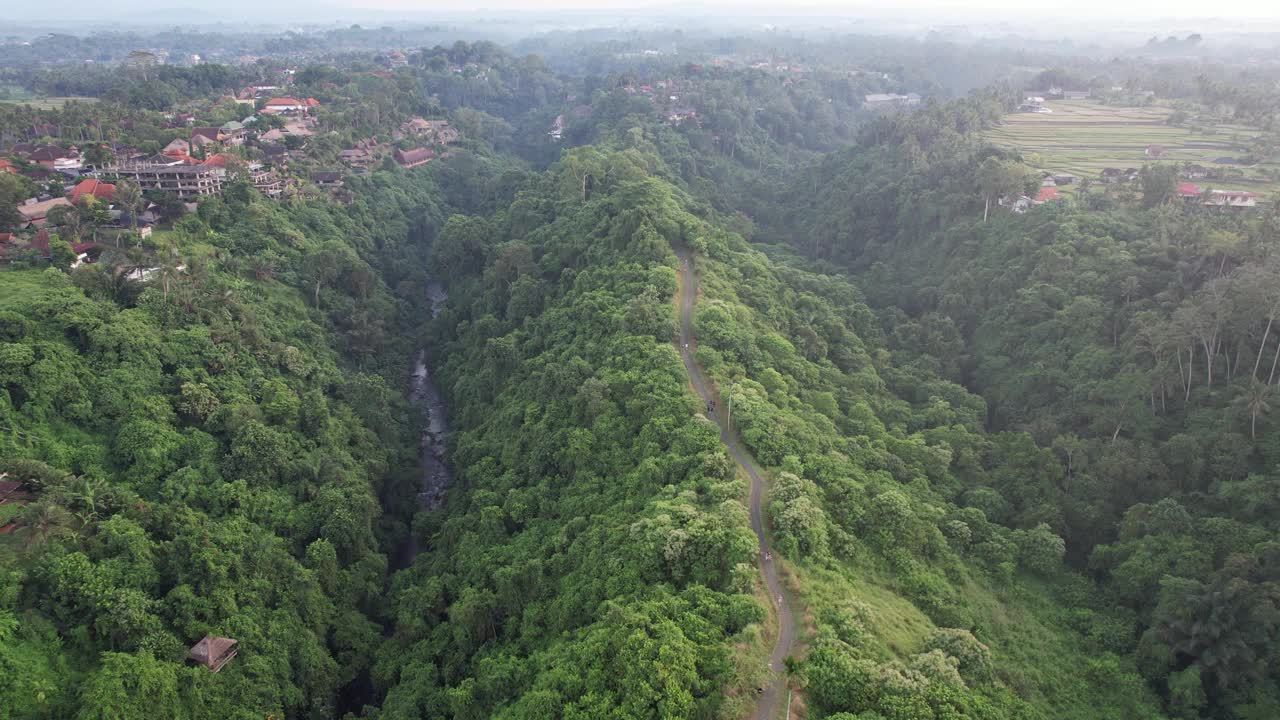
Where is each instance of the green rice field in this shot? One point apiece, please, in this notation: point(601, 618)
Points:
point(49, 103)
point(1082, 137)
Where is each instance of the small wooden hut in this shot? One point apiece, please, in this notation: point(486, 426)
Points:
point(213, 652)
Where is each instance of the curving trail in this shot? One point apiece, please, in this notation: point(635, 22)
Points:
point(767, 706)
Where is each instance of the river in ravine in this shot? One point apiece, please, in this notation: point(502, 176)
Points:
point(434, 474)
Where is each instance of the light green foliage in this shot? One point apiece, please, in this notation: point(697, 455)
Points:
point(596, 556)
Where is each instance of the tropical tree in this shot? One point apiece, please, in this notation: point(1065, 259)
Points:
point(1255, 399)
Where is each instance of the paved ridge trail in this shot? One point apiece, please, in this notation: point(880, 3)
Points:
point(767, 706)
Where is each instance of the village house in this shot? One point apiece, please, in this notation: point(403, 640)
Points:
point(1192, 194)
point(177, 146)
point(361, 155)
point(274, 153)
point(233, 132)
point(1232, 199)
point(327, 178)
point(1047, 193)
point(440, 131)
point(96, 189)
point(413, 158)
point(292, 127)
point(218, 164)
point(211, 134)
point(445, 134)
point(35, 213)
point(1155, 151)
point(1063, 179)
point(288, 105)
point(557, 128)
point(213, 653)
point(56, 158)
point(1195, 172)
point(1075, 94)
point(1111, 175)
point(7, 167)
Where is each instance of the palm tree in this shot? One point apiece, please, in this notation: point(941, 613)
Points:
point(170, 266)
point(129, 197)
point(42, 519)
point(1256, 400)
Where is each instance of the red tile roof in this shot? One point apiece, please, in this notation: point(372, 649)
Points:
point(219, 160)
point(6, 166)
point(98, 189)
point(1187, 189)
point(1046, 194)
point(284, 101)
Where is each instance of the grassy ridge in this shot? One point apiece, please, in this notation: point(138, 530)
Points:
point(858, 508)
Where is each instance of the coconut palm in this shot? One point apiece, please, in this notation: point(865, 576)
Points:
point(42, 520)
point(1256, 400)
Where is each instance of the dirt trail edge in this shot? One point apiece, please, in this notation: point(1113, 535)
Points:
point(767, 706)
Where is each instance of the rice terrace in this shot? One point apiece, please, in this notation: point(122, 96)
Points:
point(1084, 137)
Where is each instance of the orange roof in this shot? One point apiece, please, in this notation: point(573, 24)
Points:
point(6, 166)
point(219, 160)
point(312, 102)
point(1046, 194)
point(284, 101)
point(98, 189)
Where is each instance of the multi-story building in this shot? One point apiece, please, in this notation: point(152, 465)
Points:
point(185, 181)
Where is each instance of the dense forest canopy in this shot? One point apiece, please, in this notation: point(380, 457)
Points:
point(1019, 452)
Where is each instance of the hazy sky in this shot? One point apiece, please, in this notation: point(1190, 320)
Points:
point(1081, 18)
point(1128, 9)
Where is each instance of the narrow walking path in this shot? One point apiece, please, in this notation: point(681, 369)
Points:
point(767, 706)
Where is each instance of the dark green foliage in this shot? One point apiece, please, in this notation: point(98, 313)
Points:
point(199, 464)
point(1125, 357)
